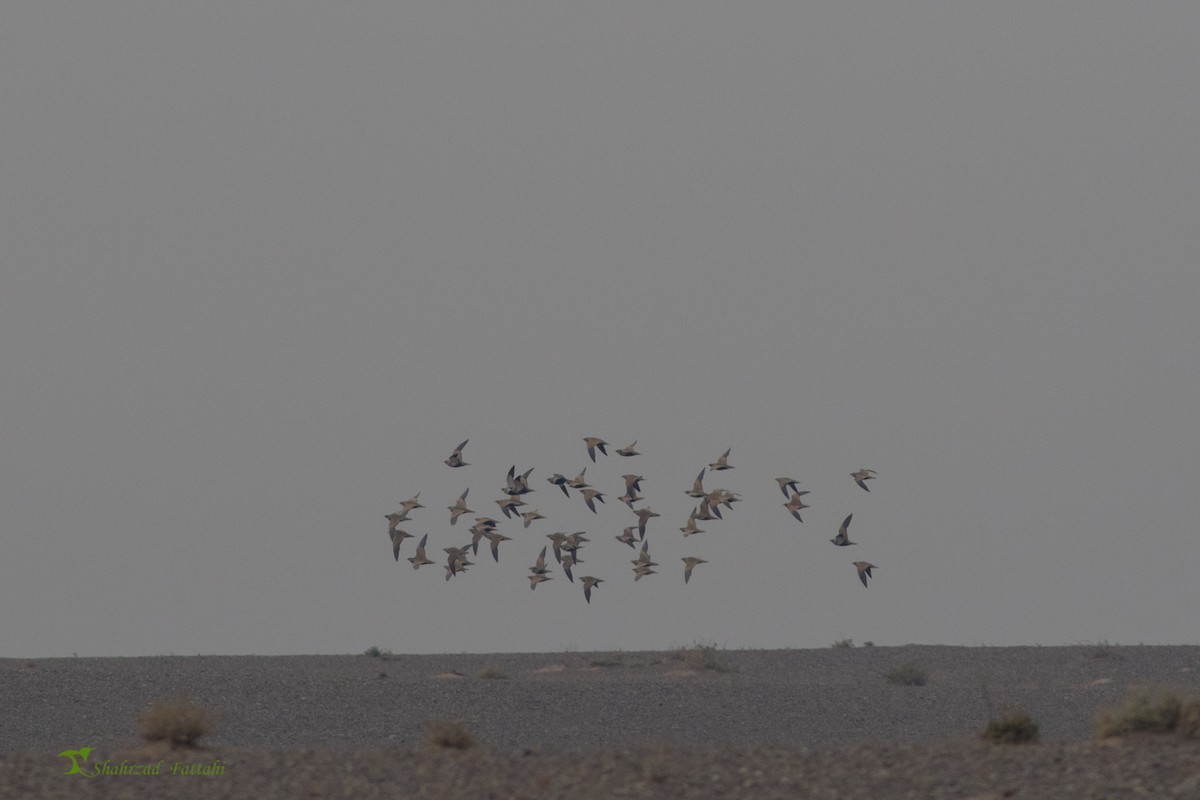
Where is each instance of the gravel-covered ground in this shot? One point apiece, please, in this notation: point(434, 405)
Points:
point(699, 723)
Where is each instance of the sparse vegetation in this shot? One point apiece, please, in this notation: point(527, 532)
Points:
point(493, 674)
point(701, 656)
point(452, 735)
point(179, 722)
point(1014, 727)
point(909, 674)
point(1105, 650)
point(868, 643)
point(842, 643)
point(375, 652)
point(1151, 711)
point(606, 662)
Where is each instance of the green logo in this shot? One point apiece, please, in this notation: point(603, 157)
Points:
point(80, 766)
point(77, 756)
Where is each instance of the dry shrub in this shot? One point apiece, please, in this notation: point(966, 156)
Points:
point(701, 656)
point(606, 662)
point(1015, 727)
point(841, 644)
point(493, 674)
point(907, 675)
point(1146, 710)
point(444, 733)
point(179, 722)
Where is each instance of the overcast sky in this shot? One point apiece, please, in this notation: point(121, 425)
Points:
point(263, 265)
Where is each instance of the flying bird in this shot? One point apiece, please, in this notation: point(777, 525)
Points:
point(411, 504)
point(643, 559)
point(626, 537)
point(787, 483)
point(843, 536)
point(722, 462)
point(796, 504)
point(691, 526)
point(633, 484)
point(644, 515)
point(589, 583)
point(560, 480)
point(539, 566)
point(456, 458)
point(395, 518)
point(537, 578)
point(517, 484)
point(460, 507)
point(629, 499)
point(690, 563)
point(419, 560)
point(579, 482)
point(697, 490)
point(589, 495)
point(495, 537)
point(628, 451)
point(862, 476)
point(595, 443)
point(573, 543)
point(556, 540)
point(483, 525)
point(398, 536)
point(456, 560)
point(707, 512)
point(530, 516)
point(864, 570)
point(509, 505)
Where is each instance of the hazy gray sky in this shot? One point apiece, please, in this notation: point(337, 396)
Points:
point(264, 265)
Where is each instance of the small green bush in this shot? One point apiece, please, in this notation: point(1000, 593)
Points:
point(1015, 727)
point(179, 722)
point(375, 652)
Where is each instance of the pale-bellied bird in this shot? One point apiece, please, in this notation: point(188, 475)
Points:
point(796, 504)
point(397, 536)
point(530, 516)
point(589, 495)
point(722, 462)
point(643, 515)
point(689, 564)
point(419, 560)
point(579, 482)
point(864, 570)
point(460, 507)
point(595, 443)
point(862, 476)
point(787, 483)
point(589, 583)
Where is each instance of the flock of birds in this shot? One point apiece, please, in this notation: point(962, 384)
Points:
point(567, 547)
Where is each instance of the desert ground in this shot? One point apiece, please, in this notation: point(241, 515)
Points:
point(695, 722)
